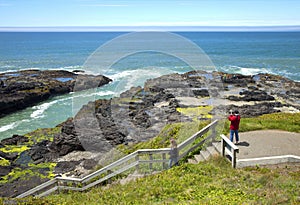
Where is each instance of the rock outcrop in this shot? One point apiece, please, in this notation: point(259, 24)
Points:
point(22, 89)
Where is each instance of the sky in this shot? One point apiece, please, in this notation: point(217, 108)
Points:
point(136, 13)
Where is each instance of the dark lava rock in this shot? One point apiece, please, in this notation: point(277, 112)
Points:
point(9, 156)
point(22, 89)
point(14, 140)
point(250, 110)
point(4, 170)
point(20, 186)
point(66, 166)
point(63, 144)
point(39, 151)
point(256, 95)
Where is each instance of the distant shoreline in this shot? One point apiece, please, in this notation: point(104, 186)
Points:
point(291, 28)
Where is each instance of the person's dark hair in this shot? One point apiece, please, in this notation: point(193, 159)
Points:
point(236, 112)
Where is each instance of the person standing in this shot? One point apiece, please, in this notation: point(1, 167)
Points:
point(173, 153)
point(234, 118)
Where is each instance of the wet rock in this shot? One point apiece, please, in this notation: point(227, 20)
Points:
point(26, 88)
point(9, 156)
point(14, 140)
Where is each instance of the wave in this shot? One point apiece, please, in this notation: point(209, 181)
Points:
point(9, 126)
point(12, 125)
point(40, 109)
point(67, 68)
point(137, 77)
point(244, 70)
point(98, 93)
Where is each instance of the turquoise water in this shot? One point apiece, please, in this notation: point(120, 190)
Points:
point(242, 52)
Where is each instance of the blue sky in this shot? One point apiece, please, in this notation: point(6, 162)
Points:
point(61, 13)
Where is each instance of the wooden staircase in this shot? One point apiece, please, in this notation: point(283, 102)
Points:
point(213, 150)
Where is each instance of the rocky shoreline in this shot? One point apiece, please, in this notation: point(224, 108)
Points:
point(26, 88)
point(139, 114)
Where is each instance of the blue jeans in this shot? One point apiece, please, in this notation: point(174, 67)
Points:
point(173, 161)
point(236, 132)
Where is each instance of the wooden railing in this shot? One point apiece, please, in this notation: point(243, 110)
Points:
point(229, 148)
point(144, 161)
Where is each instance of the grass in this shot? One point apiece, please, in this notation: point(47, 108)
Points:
point(278, 121)
point(211, 182)
point(178, 131)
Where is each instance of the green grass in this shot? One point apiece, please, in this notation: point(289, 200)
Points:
point(178, 131)
point(211, 182)
point(278, 121)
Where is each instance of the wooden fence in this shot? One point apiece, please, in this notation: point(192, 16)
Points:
point(144, 161)
point(229, 148)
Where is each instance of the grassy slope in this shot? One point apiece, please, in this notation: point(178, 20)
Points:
point(212, 182)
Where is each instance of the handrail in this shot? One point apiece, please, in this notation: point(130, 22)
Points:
point(230, 148)
point(109, 169)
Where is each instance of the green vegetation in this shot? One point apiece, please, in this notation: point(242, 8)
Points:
point(14, 148)
point(279, 121)
point(178, 131)
point(31, 170)
point(4, 162)
point(42, 134)
point(196, 112)
point(211, 182)
point(43, 170)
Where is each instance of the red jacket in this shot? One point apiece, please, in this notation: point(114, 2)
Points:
point(235, 121)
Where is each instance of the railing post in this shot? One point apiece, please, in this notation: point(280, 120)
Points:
point(137, 167)
point(223, 147)
point(214, 133)
point(150, 164)
point(234, 158)
point(165, 166)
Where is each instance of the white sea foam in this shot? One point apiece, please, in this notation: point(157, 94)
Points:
point(93, 94)
point(129, 78)
point(40, 109)
point(244, 70)
point(12, 125)
point(9, 126)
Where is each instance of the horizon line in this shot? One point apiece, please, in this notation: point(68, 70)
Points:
point(145, 28)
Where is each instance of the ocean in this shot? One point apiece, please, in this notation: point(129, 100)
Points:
point(234, 52)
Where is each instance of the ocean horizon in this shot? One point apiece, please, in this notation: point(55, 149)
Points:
point(277, 28)
point(246, 53)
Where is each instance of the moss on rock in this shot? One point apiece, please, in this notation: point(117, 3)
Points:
point(196, 112)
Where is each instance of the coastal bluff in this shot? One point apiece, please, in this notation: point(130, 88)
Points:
point(26, 88)
point(78, 145)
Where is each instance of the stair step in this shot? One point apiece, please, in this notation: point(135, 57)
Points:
point(192, 161)
point(218, 146)
point(205, 154)
point(212, 150)
point(199, 158)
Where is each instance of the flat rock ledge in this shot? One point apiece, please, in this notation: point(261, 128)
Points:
point(26, 88)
